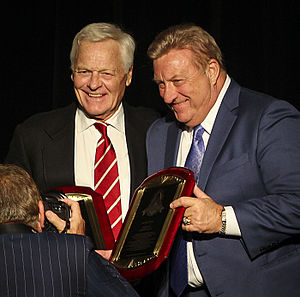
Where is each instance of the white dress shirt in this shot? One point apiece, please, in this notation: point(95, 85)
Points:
point(86, 138)
point(232, 228)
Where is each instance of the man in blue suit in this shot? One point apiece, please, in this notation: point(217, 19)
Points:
point(241, 231)
point(36, 263)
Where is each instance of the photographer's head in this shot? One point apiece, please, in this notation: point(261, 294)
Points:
point(20, 200)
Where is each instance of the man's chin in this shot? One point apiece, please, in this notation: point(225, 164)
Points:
point(97, 111)
point(186, 121)
point(91, 114)
point(180, 117)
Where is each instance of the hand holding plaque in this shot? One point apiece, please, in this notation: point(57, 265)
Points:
point(93, 211)
point(150, 225)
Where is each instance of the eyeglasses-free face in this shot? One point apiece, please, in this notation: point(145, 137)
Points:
point(99, 78)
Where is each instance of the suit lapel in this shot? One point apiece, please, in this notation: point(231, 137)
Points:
point(58, 153)
point(225, 119)
point(136, 148)
point(173, 140)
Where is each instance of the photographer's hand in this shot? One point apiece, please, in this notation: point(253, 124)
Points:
point(104, 253)
point(77, 223)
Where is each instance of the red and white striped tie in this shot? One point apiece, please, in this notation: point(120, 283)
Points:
point(106, 179)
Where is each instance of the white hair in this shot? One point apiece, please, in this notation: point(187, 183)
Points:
point(101, 31)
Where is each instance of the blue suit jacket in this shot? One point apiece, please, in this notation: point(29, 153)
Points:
point(252, 162)
point(56, 265)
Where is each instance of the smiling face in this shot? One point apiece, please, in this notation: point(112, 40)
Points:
point(188, 90)
point(99, 78)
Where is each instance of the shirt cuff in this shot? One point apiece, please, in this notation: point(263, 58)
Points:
point(232, 226)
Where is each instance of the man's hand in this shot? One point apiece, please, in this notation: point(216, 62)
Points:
point(203, 212)
point(104, 253)
point(77, 223)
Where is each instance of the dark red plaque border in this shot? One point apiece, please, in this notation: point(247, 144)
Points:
point(150, 266)
point(105, 229)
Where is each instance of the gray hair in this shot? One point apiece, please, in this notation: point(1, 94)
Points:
point(101, 31)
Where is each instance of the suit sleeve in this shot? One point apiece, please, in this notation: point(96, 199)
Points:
point(17, 152)
point(273, 219)
point(103, 279)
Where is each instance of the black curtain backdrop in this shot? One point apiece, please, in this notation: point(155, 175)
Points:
point(259, 40)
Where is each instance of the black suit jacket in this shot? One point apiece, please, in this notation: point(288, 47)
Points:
point(60, 265)
point(44, 145)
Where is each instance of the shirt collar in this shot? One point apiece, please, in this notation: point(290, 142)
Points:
point(208, 122)
point(116, 121)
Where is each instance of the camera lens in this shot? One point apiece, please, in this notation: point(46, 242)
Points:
point(57, 208)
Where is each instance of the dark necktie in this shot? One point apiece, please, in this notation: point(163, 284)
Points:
point(106, 179)
point(178, 257)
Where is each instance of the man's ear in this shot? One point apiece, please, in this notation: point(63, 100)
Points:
point(129, 76)
point(213, 71)
point(41, 217)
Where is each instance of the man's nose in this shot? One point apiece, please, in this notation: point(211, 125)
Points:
point(95, 81)
point(169, 93)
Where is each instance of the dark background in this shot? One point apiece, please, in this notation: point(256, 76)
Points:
point(259, 40)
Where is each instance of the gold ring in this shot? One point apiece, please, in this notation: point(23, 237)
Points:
point(186, 221)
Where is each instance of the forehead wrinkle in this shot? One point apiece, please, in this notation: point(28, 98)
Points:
point(104, 69)
point(99, 56)
point(172, 78)
point(172, 70)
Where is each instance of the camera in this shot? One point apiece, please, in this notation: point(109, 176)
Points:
point(52, 201)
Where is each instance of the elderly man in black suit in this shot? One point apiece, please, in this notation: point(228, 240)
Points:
point(58, 148)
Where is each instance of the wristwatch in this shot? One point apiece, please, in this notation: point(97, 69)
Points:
point(223, 217)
